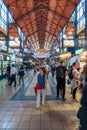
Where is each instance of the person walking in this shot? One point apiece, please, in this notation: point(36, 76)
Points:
point(8, 73)
point(21, 75)
point(61, 72)
point(53, 69)
point(13, 75)
point(41, 81)
point(75, 81)
point(47, 70)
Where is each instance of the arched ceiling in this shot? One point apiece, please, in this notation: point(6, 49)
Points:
point(41, 20)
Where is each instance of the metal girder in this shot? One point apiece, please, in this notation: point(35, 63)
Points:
point(40, 7)
point(42, 24)
point(40, 30)
point(55, 13)
point(58, 21)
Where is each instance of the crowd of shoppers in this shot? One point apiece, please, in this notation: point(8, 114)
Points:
point(75, 79)
point(59, 70)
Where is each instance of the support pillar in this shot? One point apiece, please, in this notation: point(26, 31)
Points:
point(75, 28)
point(62, 42)
point(20, 45)
point(59, 44)
point(86, 24)
point(7, 37)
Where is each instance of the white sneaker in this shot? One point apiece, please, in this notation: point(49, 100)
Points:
point(42, 104)
point(37, 108)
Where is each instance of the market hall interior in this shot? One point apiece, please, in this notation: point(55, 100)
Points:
point(35, 34)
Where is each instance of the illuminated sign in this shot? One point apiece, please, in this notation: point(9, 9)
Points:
point(41, 55)
point(78, 51)
point(65, 55)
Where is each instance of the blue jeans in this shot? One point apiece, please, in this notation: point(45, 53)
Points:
point(74, 93)
point(13, 79)
point(21, 79)
point(53, 74)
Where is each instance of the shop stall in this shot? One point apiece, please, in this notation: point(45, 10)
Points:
point(4, 61)
point(65, 56)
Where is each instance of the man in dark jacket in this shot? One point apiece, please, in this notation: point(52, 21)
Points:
point(60, 77)
point(21, 75)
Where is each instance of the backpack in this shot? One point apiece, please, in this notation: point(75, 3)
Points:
point(21, 72)
point(70, 74)
point(60, 72)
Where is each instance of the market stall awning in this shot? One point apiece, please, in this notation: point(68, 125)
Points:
point(41, 20)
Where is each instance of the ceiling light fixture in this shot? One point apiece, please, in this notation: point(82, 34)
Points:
point(16, 39)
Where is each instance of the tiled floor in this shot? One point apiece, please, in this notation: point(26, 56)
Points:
point(22, 114)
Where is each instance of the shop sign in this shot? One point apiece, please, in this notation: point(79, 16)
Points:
point(41, 55)
point(1, 57)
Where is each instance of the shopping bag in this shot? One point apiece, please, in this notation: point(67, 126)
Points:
point(80, 86)
point(37, 87)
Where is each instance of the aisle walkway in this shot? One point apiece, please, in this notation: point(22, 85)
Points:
point(21, 113)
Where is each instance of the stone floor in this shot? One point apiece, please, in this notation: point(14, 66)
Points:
point(22, 114)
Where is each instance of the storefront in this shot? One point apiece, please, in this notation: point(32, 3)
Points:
point(65, 56)
point(4, 61)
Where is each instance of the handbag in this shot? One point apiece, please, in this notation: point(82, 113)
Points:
point(37, 87)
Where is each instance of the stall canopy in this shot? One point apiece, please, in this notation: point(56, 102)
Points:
point(41, 20)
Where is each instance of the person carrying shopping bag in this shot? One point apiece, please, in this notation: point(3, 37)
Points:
point(40, 91)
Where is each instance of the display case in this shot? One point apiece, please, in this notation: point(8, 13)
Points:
point(5, 64)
